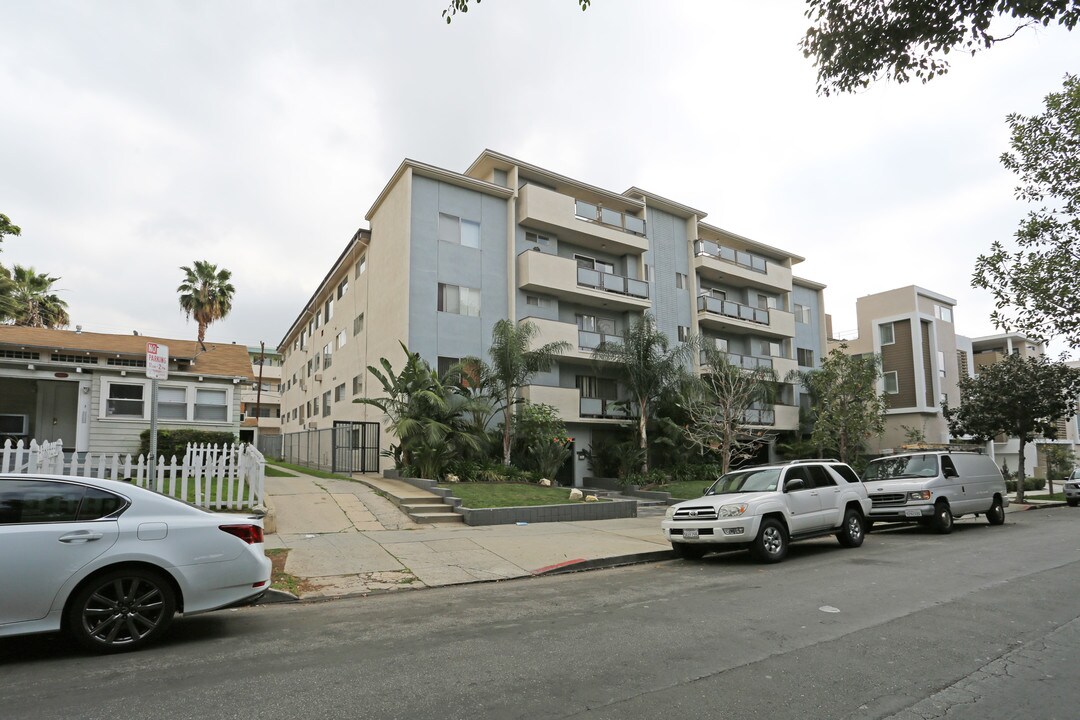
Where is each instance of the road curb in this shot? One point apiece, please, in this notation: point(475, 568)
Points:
point(273, 596)
point(607, 562)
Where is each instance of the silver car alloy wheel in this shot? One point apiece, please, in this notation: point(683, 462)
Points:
point(854, 527)
point(772, 540)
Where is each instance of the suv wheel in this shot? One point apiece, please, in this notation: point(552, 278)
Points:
point(771, 543)
point(689, 552)
point(851, 532)
point(996, 515)
point(943, 518)
point(1072, 503)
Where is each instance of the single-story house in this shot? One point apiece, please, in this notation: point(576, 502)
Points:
point(90, 390)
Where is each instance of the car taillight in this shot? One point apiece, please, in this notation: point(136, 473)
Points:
point(248, 533)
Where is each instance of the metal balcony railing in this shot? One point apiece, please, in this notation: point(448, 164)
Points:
point(739, 257)
point(733, 309)
point(609, 282)
point(759, 417)
point(589, 340)
point(747, 362)
point(606, 216)
point(599, 408)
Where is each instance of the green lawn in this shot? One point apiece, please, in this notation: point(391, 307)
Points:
point(305, 470)
point(272, 471)
point(213, 490)
point(495, 495)
point(685, 490)
point(1060, 497)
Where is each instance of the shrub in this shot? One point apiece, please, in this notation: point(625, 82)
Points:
point(175, 442)
point(1029, 484)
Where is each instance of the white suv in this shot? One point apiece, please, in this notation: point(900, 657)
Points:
point(1072, 488)
point(764, 508)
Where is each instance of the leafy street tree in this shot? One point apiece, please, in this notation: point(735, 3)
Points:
point(847, 408)
point(1035, 288)
point(1017, 397)
point(31, 302)
point(205, 294)
point(513, 362)
point(717, 405)
point(457, 6)
point(647, 368)
point(856, 42)
point(7, 228)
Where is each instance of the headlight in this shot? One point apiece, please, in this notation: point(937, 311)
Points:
point(670, 512)
point(921, 495)
point(731, 510)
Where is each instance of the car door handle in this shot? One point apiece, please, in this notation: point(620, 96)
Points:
point(81, 536)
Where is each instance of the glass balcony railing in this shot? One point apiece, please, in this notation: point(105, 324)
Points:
point(759, 417)
point(738, 257)
point(607, 216)
point(589, 340)
point(599, 408)
point(612, 283)
point(733, 309)
point(747, 362)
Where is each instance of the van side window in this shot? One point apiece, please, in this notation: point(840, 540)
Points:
point(947, 467)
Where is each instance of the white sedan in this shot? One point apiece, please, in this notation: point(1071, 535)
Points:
point(111, 563)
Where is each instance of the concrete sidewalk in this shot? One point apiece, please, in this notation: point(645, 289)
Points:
point(346, 537)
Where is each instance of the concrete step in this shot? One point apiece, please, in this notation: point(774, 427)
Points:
point(427, 508)
point(436, 517)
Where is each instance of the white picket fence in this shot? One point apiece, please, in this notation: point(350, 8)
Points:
point(225, 477)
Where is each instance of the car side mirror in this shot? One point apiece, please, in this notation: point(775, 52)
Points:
point(705, 491)
point(794, 484)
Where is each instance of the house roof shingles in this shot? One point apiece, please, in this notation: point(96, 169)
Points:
point(218, 359)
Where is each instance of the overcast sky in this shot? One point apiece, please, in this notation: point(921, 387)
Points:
point(137, 136)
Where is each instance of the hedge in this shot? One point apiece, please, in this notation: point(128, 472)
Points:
point(175, 442)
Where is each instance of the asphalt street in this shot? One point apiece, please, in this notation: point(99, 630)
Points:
point(982, 623)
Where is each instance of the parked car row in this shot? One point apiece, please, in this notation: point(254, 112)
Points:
point(765, 508)
point(111, 563)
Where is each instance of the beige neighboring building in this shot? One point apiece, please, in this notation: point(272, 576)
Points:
point(912, 329)
point(449, 254)
point(260, 401)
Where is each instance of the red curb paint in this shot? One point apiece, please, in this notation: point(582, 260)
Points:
point(556, 566)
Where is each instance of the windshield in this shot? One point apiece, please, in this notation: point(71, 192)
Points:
point(901, 466)
point(746, 481)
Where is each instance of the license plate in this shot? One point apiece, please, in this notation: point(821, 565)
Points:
point(690, 534)
point(913, 513)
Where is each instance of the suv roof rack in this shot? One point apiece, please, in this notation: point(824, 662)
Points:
point(813, 460)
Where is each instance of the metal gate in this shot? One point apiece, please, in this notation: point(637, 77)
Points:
point(355, 447)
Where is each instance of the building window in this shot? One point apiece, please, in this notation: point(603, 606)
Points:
point(339, 342)
point(598, 388)
point(328, 357)
point(805, 356)
point(943, 313)
point(943, 399)
point(328, 310)
point(537, 238)
point(459, 300)
point(211, 405)
point(590, 263)
point(339, 393)
point(886, 332)
point(892, 383)
point(941, 363)
point(303, 339)
point(459, 231)
point(124, 401)
point(766, 302)
point(768, 348)
point(680, 280)
point(310, 409)
point(358, 385)
point(314, 408)
point(172, 403)
point(326, 404)
point(802, 314)
point(445, 363)
point(342, 288)
point(592, 323)
point(358, 324)
point(647, 274)
point(318, 321)
point(537, 301)
point(684, 333)
point(361, 265)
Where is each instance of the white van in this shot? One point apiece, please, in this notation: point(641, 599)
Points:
point(933, 488)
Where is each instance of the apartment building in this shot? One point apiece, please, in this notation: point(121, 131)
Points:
point(449, 254)
point(922, 358)
point(260, 401)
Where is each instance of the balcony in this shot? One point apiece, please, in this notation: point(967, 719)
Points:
point(559, 276)
point(582, 342)
point(582, 223)
point(779, 365)
point(730, 316)
point(739, 268)
point(573, 408)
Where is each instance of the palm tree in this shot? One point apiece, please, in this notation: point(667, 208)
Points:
point(29, 302)
point(647, 368)
point(513, 362)
point(205, 294)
